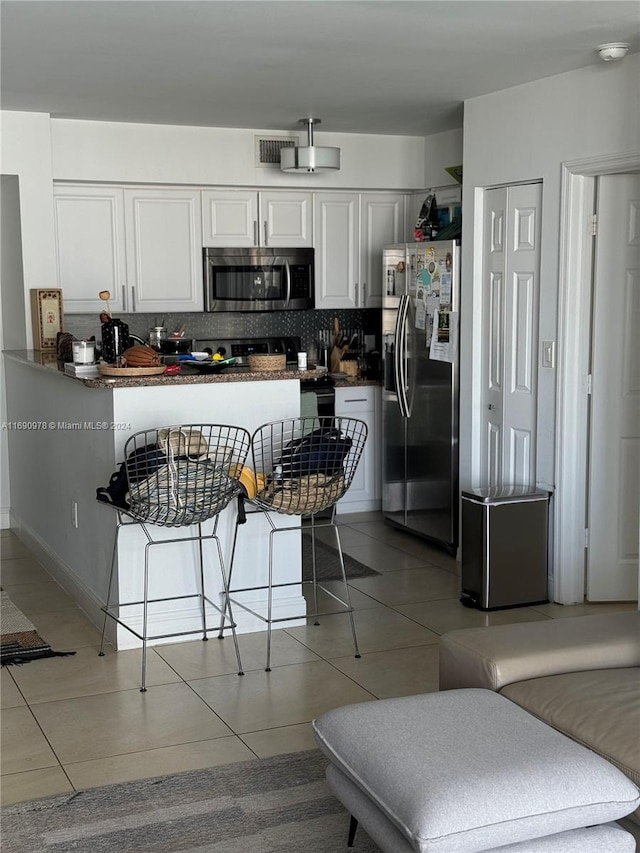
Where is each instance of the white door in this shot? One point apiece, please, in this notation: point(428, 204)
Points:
point(614, 453)
point(511, 287)
point(164, 250)
point(90, 251)
point(382, 224)
point(337, 241)
point(287, 219)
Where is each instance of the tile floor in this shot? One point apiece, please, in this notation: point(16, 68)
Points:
point(81, 721)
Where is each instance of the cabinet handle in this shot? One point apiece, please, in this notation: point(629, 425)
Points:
point(124, 297)
point(355, 400)
point(133, 299)
point(255, 232)
point(364, 294)
point(266, 240)
point(355, 291)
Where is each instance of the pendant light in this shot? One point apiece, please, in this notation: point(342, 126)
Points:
point(309, 158)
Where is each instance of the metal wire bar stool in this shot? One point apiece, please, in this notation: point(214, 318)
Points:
point(177, 477)
point(303, 466)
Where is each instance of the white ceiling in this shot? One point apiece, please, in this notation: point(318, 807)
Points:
point(369, 66)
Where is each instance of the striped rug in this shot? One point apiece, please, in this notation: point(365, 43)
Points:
point(271, 805)
point(19, 640)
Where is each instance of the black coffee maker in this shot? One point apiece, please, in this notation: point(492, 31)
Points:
point(115, 340)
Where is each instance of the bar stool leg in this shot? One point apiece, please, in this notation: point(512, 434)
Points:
point(346, 589)
point(145, 614)
point(314, 572)
point(203, 612)
point(110, 587)
point(270, 598)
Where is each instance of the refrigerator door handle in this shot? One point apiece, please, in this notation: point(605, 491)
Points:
point(397, 360)
point(401, 356)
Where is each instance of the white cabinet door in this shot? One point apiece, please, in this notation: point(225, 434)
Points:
point(164, 249)
point(230, 218)
point(337, 242)
point(382, 223)
point(90, 253)
point(246, 218)
point(287, 219)
point(362, 402)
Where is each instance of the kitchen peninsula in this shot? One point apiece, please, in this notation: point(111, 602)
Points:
point(67, 436)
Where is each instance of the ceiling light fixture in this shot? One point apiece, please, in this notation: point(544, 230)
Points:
point(309, 158)
point(613, 51)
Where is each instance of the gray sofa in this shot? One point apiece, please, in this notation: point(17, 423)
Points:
point(579, 674)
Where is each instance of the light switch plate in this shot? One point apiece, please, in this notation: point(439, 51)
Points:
point(549, 354)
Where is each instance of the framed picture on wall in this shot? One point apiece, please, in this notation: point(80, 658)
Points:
point(46, 316)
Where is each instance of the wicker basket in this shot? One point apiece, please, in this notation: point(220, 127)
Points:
point(267, 363)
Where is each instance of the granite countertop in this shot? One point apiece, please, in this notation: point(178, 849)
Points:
point(48, 361)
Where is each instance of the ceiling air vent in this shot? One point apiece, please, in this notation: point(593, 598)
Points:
point(268, 149)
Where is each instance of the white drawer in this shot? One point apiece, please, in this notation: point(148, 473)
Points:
point(350, 401)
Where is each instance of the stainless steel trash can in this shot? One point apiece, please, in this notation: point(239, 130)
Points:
point(504, 547)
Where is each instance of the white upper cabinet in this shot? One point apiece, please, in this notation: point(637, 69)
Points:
point(247, 218)
point(337, 243)
point(351, 229)
point(143, 246)
point(90, 253)
point(382, 218)
point(164, 250)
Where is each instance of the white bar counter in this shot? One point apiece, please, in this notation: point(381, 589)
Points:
point(66, 437)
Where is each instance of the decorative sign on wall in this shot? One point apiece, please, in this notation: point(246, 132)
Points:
point(46, 316)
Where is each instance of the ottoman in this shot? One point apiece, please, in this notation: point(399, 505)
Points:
point(466, 771)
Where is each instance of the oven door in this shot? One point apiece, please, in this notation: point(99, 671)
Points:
point(259, 280)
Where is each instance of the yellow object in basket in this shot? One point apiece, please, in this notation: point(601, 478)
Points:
point(217, 357)
point(251, 483)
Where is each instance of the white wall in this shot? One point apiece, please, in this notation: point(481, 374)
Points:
point(108, 151)
point(441, 150)
point(521, 134)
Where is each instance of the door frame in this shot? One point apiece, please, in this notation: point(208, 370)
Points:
point(574, 345)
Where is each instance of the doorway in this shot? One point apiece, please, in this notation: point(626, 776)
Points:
point(573, 445)
point(613, 493)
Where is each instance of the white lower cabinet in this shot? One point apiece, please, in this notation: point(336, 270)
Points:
point(142, 245)
point(364, 403)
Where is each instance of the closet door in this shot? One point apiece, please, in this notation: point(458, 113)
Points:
point(511, 288)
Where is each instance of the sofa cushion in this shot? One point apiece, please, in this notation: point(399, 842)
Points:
point(502, 654)
point(468, 770)
point(598, 708)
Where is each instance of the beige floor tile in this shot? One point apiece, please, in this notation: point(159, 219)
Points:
point(400, 672)
point(286, 696)
point(406, 586)
point(450, 615)
point(10, 696)
point(377, 630)
point(359, 601)
point(67, 630)
point(348, 537)
point(384, 533)
point(430, 554)
point(19, 787)
point(280, 741)
point(561, 611)
point(353, 518)
point(203, 660)
point(88, 674)
point(34, 599)
point(24, 747)
point(22, 570)
point(382, 557)
point(11, 546)
point(130, 721)
point(158, 762)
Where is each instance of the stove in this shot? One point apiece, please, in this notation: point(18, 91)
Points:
point(241, 349)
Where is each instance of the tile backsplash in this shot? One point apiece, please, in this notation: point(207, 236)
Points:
point(307, 325)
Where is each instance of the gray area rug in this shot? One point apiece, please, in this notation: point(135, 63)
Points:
point(272, 805)
point(327, 562)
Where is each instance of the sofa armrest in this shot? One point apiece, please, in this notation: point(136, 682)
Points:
point(503, 654)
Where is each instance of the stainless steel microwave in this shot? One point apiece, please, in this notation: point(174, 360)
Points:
point(258, 279)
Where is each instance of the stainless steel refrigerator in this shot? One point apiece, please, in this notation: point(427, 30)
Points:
point(420, 317)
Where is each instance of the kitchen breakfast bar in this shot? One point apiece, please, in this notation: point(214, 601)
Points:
point(66, 437)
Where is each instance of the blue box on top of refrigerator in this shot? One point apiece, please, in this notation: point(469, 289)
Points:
point(420, 398)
